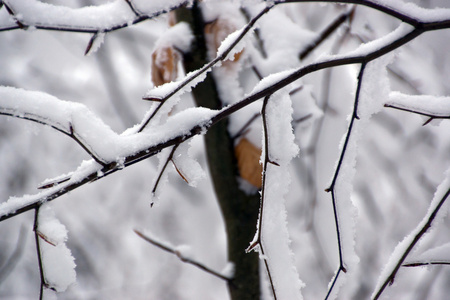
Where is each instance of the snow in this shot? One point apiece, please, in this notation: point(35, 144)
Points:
point(273, 218)
point(87, 127)
point(187, 165)
point(374, 89)
point(104, 16)
point(438, 106)
point(178, 36)
point(95, 135)
point(97, 41)
point(402, 30)
point(436, 254)
point(229, 270)
point(402, 247)
point(58, 262)
point(416, 12)
point(227, 43)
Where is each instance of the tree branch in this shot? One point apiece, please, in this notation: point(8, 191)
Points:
point(362, 56)
point(23, 24)
point(421, 230)
point(183, 258)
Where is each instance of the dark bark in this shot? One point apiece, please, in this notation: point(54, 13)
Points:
point(240, 211)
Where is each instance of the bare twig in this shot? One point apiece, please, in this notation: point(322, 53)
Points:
point(336, 175)
point(431, 116)
point(327, 32)
point(92, 41)
point(185, 259)
point(169, 158)
point(44, 283)
point(426, 263)
point(244, 128)
point(133, 8)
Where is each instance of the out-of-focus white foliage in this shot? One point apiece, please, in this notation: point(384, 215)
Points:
point(390, 173)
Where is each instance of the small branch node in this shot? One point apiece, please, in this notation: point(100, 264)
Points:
point(133, 9)
point(252, 247)
point(428, 121)
point(273, 162)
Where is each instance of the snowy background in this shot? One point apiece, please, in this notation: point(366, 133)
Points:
point(386, 186)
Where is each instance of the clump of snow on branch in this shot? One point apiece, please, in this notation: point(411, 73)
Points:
point(190, 169)
point(275, 236)
point(178, 36)
point(58, 262)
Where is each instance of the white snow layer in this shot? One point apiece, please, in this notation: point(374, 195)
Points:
point(275, 236)
point(424, 104)
point(105, 16)
point(77, 120)
point(58, 262)
point(374, 89)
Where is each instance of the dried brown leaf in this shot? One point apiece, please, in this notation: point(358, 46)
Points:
point(248, 156)
point(164, 65)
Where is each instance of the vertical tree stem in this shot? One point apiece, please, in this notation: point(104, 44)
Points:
point(240, 211)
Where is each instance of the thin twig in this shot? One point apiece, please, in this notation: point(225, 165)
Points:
point(71, 133)
point(181, 257)
point(431, 116)
point(332, 187)
point(327, 32)
point(246, 125)
point(427, 263)
point(38, 251)
point(206, 67)
point(258, 242)
point(133, 8)
point(390, 278)
point(169, 158)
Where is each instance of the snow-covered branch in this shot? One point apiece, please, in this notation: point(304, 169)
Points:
point(108, 17)
point(424, 105)
point(404, 248)
point(129, 147)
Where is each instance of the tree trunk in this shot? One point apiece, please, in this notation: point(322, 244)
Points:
point(240, 211)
